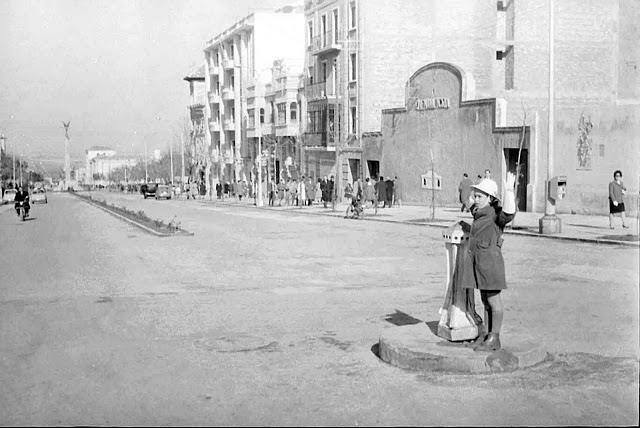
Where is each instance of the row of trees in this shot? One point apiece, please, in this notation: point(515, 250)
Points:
point(21, 166)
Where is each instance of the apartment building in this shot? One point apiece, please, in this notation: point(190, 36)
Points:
point(196, 143)
point(359, 55)
point(237, 61)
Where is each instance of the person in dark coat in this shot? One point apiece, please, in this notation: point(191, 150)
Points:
point(481, 264)
point(616, 199)
point(465, 192)
point(331, 190)
point(219, 190)
point(389, 193)
point(381, 189)
point(324, 187)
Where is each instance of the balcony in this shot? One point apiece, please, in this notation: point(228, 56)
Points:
point(229, 125)
point(353, 90)
point(227, 94)
point(214, 126)
point(289, 129)
point(326, 43)
point(214, 70)
point(319, 91)
point(228, 63)
point(214, 98)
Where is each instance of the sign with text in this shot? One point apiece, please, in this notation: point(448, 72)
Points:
point(431, 103)
point(431, 181)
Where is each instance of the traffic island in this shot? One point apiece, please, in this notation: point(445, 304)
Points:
point(417, 347)
point(137, 218)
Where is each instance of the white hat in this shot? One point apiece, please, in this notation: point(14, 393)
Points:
point(488, 186)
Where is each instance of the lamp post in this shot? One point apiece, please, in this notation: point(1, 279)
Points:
point(259, 201)
point(550, 223)
point(146, 172)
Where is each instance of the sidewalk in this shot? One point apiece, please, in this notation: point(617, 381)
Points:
point(575, 227)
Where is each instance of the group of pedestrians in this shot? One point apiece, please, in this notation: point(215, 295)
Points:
point(377, 190)
point(303, 192)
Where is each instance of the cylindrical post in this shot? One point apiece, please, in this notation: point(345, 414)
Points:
point(171, 160)
point(146, 172)
point(550, 208)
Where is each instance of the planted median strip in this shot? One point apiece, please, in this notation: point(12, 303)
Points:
point(138, 218)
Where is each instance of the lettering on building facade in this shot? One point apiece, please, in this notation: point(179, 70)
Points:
point(431, 103)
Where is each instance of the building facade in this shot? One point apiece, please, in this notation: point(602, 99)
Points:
point(100, 162)
point(236, 60)
point(361, 56)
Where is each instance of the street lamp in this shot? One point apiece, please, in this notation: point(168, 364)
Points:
point(550, 223)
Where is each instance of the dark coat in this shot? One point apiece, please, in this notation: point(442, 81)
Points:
point(389, 189)
point(479, 263)
point(381, 190)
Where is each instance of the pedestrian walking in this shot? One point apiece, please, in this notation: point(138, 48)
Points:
point(302, 192)
point(326, 195)
point(464, 188)
point(482, 265)
point(318, 195)
point(310, 191)
point(219, 190)
point(271, 189)
point(381, 190)
point(331, 190)
point(397, 192)
point(617, 190)
point(369, 192)
point(281, 191)
point(389, 193)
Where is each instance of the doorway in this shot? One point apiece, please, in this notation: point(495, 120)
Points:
point(511, 160)
point(354, 168)
point(374, 168)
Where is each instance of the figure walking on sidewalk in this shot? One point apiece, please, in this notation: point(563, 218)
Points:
point(482, 265)
point(616, 199)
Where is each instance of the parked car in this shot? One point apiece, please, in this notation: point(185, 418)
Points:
point(38, 196)
point(148, 190)
point(9, 195)
point(163, 191)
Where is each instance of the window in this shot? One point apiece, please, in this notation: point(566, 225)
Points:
point(272, 112)
point(310, 32)
point(282, 113)
point(509, 65)
point(233, 113)
point(352, 9)
point(261, 116)
point(354, 69)
point(251, 118)
point(310, 75)
point(232, 81)
point(335, 25)
point(353, 120)
point(324, 30)
point(293, 111)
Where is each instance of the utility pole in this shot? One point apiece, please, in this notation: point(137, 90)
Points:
point(433, 189)
point(182, 155)
point(259, 201)
point(146, 172)
point(171, 160)
point(550, 223)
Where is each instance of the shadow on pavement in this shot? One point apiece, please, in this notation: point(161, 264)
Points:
point(400, 318)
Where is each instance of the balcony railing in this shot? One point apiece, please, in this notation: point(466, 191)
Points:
point(214, 97)
point(319, 91)
point(228, 63)
point(353, 90)
point(214, 69)
point(326, 43)
point(229, 125)
point(227, 93)
point(214, 126)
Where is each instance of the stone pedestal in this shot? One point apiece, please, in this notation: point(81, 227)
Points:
point(416, 347)
point(550, 224)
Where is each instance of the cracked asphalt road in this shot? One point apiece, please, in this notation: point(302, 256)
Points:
point(266, 318)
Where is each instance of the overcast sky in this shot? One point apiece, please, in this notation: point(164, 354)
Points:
point(111, 67)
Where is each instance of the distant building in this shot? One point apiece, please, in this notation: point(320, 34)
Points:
point(100, 162)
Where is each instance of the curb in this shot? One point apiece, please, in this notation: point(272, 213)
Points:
point(132, 222)
point(635, 244)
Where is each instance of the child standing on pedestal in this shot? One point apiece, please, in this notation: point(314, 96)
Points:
point(484, 266)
